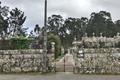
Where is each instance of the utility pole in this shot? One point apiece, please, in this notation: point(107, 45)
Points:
point(45, 37)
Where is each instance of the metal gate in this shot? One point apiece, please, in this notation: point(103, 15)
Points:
point(65, 64)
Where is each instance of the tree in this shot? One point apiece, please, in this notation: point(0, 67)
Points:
point(31, 35)
point(74, 28)
point(84, 24)
point(55, 22)
point(101, 23)
point(3, 27)
point(16, 21)
point(37, 30)
point(3, 21)
point(117, 26)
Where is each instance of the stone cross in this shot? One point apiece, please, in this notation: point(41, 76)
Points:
point(101, 34)
point(86, 35)
point(118, 34)
point(93, 34)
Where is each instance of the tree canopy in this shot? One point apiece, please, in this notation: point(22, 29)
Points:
point(11, 26)
point(70, 28)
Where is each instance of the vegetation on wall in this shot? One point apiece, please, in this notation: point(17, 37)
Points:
point(57, 41)
point(20, 43)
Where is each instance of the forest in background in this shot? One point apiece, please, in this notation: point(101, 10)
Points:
point(11, 26)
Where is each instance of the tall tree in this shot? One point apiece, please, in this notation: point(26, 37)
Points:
point(74, 28)
point(55, 22)
point(101, 23)
point(117, 26)
point(16, 20)
point(4, 10)
point(84, 24)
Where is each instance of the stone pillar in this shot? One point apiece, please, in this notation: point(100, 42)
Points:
point(53, 46)
point(93, 34)
point(53, 49)
point(62, 50)
point(86, 35)
point(101, 35)
point(118, 34)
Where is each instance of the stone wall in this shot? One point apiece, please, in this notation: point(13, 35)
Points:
point(23, 61)
point(91, 52)
point(99, 61)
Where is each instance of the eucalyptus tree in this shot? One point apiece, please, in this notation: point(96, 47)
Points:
point(55, 22)
point(117, 26)
point(16, 21)
point(74, 29)
point(101, 23)
point(84, 24)
point(4, 11)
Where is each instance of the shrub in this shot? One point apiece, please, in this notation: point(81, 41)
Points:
point(20, 43)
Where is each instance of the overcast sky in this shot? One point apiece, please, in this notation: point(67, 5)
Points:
point(67, 8)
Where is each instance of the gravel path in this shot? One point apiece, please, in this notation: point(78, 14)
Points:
point(59, 76)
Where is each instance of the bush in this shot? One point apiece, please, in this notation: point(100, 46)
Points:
point(20, 43)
